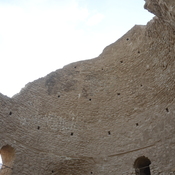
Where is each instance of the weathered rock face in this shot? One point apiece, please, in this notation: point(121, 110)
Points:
point(110, 115)
point(164, 10)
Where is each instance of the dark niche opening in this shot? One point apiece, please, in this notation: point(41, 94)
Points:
point(141, 166)
point(167, 110)
point(7, 154)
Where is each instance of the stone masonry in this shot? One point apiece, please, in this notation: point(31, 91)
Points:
point(112, 115)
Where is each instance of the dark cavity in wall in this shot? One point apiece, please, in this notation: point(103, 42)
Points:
point(167, 110)
point(8, 156)
point(141, 166)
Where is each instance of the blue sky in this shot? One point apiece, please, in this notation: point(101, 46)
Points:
point(40, 36)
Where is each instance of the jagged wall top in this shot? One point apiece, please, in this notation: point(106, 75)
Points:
point(163, 9)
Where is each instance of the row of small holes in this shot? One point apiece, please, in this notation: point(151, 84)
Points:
point(109, 132)
point(167, 110)
point(91, 100)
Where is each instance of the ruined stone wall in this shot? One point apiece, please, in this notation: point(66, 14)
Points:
point(98, 116)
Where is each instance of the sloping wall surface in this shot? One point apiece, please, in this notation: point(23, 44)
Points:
point(111, 115)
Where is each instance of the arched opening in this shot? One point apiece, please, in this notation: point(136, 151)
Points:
point(7, 154)
point(141, 166)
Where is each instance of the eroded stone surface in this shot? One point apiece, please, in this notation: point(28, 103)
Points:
point(99, 116)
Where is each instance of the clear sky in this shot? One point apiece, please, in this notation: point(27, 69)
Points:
point(40, 36)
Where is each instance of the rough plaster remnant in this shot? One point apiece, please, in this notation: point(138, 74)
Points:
point(111, 115)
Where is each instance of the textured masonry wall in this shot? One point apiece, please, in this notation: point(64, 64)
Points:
point(98, 116)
